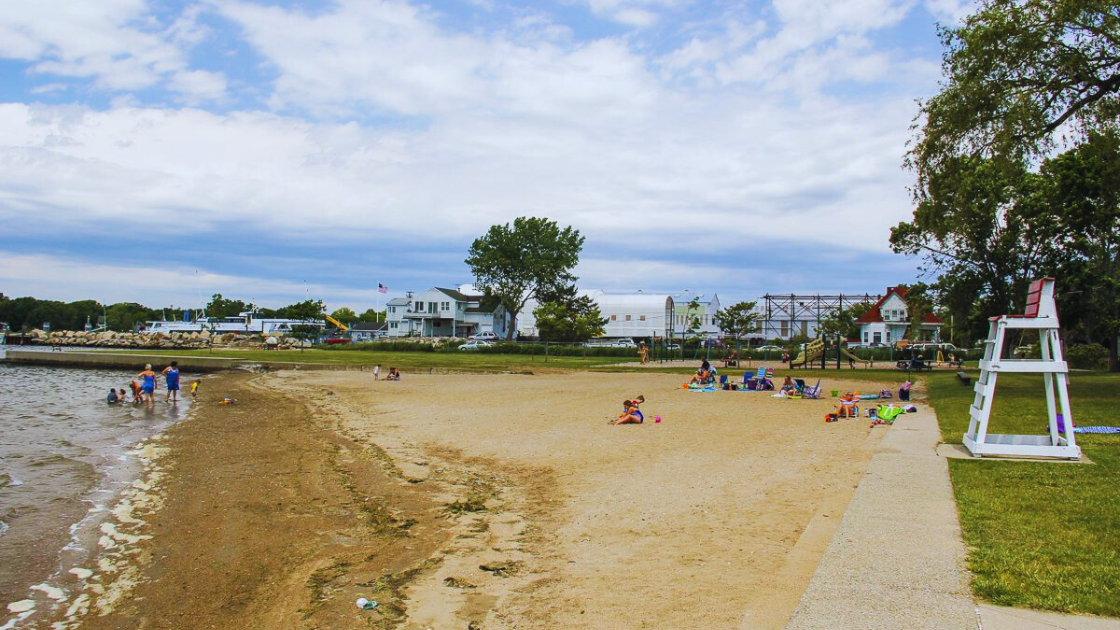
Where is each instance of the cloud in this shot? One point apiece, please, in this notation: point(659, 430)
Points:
point(117, 44)
point(70, 279)
point(199, 85)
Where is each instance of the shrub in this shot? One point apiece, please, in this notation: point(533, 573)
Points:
point(1091, 356)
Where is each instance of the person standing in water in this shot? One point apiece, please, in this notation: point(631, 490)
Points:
point(147, 384)
point(171, 376)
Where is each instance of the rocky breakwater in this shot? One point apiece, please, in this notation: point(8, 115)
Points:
point(160, 340)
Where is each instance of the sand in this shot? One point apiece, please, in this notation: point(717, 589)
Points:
point(488, 501)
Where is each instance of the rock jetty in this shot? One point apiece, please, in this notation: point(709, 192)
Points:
point(160, 340)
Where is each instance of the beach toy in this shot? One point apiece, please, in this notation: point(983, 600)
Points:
point(657, 419)
point(365, 604)
point(835, 393)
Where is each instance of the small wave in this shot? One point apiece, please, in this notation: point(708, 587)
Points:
point(7, 479)
point(4, 527)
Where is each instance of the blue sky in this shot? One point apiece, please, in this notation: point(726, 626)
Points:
point(158, 151)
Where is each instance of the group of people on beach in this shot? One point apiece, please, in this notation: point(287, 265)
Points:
point(393, 374)
point(144, 387)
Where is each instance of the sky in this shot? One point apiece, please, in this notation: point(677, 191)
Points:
point(159, 152)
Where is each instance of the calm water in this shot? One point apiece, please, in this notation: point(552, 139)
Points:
point(64, 458)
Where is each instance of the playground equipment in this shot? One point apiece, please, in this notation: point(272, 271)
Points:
point(812, 352)
point(338, 324)
point(851, 357)
point(1042, 315)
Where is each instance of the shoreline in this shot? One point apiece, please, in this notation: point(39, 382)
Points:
point(318, 488)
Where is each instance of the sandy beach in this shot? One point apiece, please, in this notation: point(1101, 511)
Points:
point(482, 501)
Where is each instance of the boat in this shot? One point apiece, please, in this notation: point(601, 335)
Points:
point(244, 323)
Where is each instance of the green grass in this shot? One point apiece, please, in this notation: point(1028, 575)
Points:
point(1040, 535)
point(409, 361)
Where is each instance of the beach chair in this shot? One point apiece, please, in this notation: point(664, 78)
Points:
point(723, 382)
point(813, 391)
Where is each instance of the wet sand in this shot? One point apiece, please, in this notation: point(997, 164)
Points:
point(481, 501)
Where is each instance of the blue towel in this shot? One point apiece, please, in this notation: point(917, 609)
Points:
point(1096, 429)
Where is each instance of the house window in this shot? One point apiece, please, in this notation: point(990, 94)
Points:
point(865, 337)
point(392, 324)
point(614, 318)
point(642, 318)
point(878, 337)
point(419, 307)
point(627, 318)
point(446, 306)
point(392, 309)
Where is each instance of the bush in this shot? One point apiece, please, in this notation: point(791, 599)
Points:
point(1091, 356)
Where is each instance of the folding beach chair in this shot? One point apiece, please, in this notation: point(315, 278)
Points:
point(813, 391)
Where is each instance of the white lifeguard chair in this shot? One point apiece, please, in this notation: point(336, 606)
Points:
point(1042, 315)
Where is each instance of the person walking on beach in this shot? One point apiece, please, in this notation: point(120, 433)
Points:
point(377, 372)
point(147, 384)
point(171, 376)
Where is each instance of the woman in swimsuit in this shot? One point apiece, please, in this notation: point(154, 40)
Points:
point(147, 384)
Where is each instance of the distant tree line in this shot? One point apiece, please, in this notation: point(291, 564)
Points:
point(27, 313)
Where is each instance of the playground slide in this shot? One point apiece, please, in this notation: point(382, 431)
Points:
point(844, 351)
point(812, 352)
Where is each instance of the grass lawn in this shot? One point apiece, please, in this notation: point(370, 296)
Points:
point(406, 361)
point(1040, 535)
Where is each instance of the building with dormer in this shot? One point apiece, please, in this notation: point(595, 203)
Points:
point(888, 321)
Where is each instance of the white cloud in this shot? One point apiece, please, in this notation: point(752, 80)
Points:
point(67, 279)
point(199, 85)
point(118, 44)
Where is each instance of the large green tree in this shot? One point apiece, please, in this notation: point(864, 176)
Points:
point(1020, 77)
point(564, 316)
point(514, 264)
point(738, 320)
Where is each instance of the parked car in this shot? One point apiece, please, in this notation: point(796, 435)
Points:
point(673, 346)
point(770, 348)
point(484, 336)
point(624, 343)
point(474, 345)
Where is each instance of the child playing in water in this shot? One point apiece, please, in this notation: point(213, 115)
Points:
point(194, 390)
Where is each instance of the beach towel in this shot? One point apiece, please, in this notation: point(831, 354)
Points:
point(1096, 429)
point(705, 388)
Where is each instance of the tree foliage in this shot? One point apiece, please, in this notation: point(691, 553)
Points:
point(220, 307)
point(345, 315)
point(515, 264)
point(564, 316)
point(738, 320)
point(1018, 76)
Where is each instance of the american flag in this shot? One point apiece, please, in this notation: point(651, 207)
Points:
point(382, 288)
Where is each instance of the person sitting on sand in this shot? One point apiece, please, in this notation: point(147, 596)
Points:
point(393, 375)
point(630, 414)
point(789, 388)
point(704, 375)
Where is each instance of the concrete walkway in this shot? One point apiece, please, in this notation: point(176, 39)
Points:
point(898, 560)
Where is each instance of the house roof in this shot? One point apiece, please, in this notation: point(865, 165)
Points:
point(461, 297)
point(400, 301)
point(361, 326)
point(875, 315)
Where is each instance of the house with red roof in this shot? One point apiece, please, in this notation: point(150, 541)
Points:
point(888, 321)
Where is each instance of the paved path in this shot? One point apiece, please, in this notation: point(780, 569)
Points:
point(898, 560)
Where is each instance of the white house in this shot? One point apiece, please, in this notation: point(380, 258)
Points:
point(440, 312)
point(706, 313)
point(888, 321)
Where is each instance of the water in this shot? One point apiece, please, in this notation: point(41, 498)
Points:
point(64, 458)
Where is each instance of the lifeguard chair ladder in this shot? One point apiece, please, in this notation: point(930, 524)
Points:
point(1042, 315)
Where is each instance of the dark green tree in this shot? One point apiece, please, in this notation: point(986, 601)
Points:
point(345, 315)
point(515, 264)
point(1021, 76)
point(221, 307)
point(372, 316)
point(564, 316)
point(738, 320)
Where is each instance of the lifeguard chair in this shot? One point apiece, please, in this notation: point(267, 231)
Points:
point(1041, 314)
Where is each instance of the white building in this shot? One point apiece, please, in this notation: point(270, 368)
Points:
point(628, 314)
point(440, 312)
point(705, 313)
